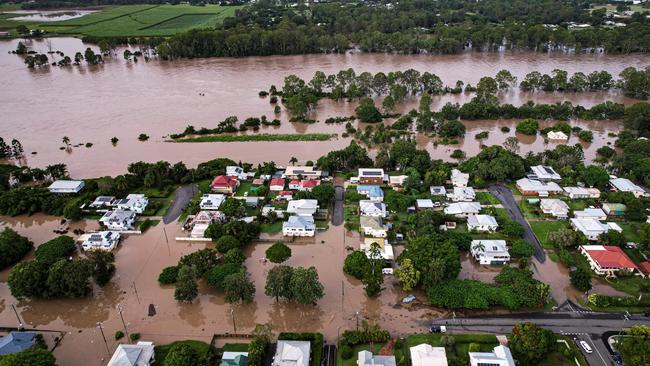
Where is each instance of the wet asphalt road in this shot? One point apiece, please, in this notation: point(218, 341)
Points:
point(182, 197)
point(339, 200)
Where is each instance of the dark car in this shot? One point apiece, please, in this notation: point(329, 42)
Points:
point(438, 329)
point(617, 358)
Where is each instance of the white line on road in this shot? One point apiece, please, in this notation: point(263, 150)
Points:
point(597, 351)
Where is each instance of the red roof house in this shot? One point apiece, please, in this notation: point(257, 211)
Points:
point(309, 184)
point(606, 260)
point(277, 184)
point(644, 268)
point(294, 184)
point(225, 184)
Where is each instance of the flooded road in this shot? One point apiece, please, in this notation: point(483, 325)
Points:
point(123, 99)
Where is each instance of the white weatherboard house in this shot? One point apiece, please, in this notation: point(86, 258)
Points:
point(462, 194)
point(463, 209)
point(133, 202)
point(103, 240)
point(102, 202)
point(299, 226)
point(292, 353)
point(66, 186)
point(366, 358)
point(301, 172)
point(580, 192)
point(385, 249)
point(592, 228)
point(458, 178)
point(235, 171)
point(500, 356)
point(544, 173)
point(372, 226)
point(533, 187)
point(626, 185)
point(211, 201)
point(557, 135)
point(437, 191)
point(372, 208)
point(493, 252)
point(303, 207)
point(118, 220)
point(591, 213)
point(482, 223)
point(426, 355)
point(424, 204)
point(140, 354)
point(554, 207)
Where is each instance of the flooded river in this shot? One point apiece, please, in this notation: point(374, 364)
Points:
point(123, 99)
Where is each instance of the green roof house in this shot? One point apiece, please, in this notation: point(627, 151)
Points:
point(614, 209)
point(234, 359)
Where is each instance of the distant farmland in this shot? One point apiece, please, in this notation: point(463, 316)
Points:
point(137, 20)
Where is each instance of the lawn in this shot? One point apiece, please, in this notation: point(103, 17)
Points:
point(530, 211)
point(543, 228)
point(351, 213)
point(631, 285)
point(243, 188)
point(273, 228)
point(201, 348)
point(486, 198)
point(557, 357)
point(631, 230)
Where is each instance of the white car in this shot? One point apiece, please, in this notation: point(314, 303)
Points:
point(387, 271)
point(585, 346)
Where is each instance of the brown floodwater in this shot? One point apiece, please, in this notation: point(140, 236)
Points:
point(124, 99)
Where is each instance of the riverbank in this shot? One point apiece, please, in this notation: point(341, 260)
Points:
point(260, 137)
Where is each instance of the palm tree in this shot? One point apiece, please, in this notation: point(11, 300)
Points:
point(66, 140)
point(293, 160)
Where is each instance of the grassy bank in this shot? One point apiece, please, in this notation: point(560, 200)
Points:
point(261, 137)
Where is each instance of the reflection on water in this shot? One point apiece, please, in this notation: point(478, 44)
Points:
point(50, 15)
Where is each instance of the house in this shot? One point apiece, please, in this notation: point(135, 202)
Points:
point(103, 240)
point(211, 201)
point(133, 202)
point(644, 268)
point(140, 354)
point(591, 213)
point(557, 135)
point(299, 226)
point(607, 260)
point(366, 358)
point(531, 187)
point(554, 207)
point(372, 226)
point(614, 209)
point(292, 353)
point(302, 207)
point(385, 249)
point(118, 220)
point(373, 192)
point(257, 182)
point(268, 209)
point(284, 196)
point(463, 209)
point(237, 172)
point(462, 194)
point(66, 186)
point(102, 202)
point(424, 204)
point(371, 176)
point(625, 185)
point(500, 356)
point(397, 181)
point(492, 252)
point(234, 359)
point(300, 172)
point(372, 208)
point(482, 223)
point(208, 217)
point(294, 184)
point(16, 342)
point(458, 178)
point(592, 228)
point(437, 191)
point(581, 193)
point(252, 202)
point(426, 355)
point(277, 185)
point(225, 184)
point(309, 184)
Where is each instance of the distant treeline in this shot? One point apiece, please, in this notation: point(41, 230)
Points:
point(44, 4)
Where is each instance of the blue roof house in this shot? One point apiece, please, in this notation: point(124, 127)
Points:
point(17, 342)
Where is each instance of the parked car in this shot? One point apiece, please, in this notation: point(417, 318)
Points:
point(409, 299)
point(617, 358)
point(387, 271)
point(438, 329)
point(586, 347)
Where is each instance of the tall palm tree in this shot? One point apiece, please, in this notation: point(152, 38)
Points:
point(66, 140)
point(293, 160)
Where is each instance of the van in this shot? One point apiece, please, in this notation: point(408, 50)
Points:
point(585, 346)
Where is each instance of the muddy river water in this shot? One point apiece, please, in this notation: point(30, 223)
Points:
point(93, 104)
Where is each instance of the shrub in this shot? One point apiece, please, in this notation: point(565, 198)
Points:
point(458, 154)
point(235, 256)
point(218, 274)
point(278, 252)
point(119, 335)
point(474, 347)
point(505, 129)
point(522, 248)
point(227, 242)
point(346, 352)
point(452, 129)
point(55, 249)
point(356, 263)
point(586, 135)
point(13, 247)
point(168, 275)
point(134, 337)
point(528, 126)
point(143, 137)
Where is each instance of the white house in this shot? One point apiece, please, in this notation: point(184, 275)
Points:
point(500, 356)
point(424, 204)
point(592, 228)
point(277, 185)
point(303, 207)
point(581, 193)
point(211, 201)
point(140, 354)
point(544, 173)
point(66, 186)
point(482, 223)
point(118, 220)
point(626, 185)
point(462, 194)
point(493, 252)
point(397, 181)
point(371, 176)
point(300, 172)
point(133, 202)
point(426, 355)
point(292, 353)
point(591, 213)
point(102, 202)
point(299, 226)
point(554, 207)
point(437, 191)
point(385, 249)
point(372, 226)
point(103, 240)
point(557, 135)
point(366, 358)
point(458, 178)
point(372, 208)
point(235, 171)
point(463, 209)
point(532, 187)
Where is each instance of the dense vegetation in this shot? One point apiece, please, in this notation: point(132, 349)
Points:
point(13, 247)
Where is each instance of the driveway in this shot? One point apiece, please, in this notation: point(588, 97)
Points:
point(339, 200)
point(182, 197)
point(504, 195)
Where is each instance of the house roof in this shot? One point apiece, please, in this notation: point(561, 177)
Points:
point(424, 203)
point(531, 185)
point(500, 353)
point(310, 183)
point(554, 204)
point(481, 220)
point(132, 354)
point(16, 342)
point(277, 182)
point(625, 185)
point(292, 353)
point(589, 224)
point(545, 172)
point(66, 184)
point(609, 256)
point(437, 190)
point(294, 182)
point(367, 205)
point(286, 193)
point(644, 267)
point(371, 172)
point(234, 359)
point(491, 246)
point(371, 222)
point(300, 222)
point(303, 204)
point(462, 207)
point(590, 213)
point(225, 181)
point(459, 177)
point(366, 358)
point(426, 355)
point(614, 206)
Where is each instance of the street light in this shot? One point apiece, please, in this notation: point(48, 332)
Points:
point(20, 322)
point(99, 325)
point(357, 316)
point(119, 310)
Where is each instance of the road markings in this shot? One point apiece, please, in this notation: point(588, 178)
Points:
point(597, 351)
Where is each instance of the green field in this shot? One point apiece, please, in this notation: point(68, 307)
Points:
point(543, 228)
point(133, 20)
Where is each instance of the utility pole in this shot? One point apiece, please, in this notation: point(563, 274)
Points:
point(357, 315)
point(99, 325)
point(119, 310)
point(136, 292)
point(20, 322)
point(234, 325)
point(167, 241)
